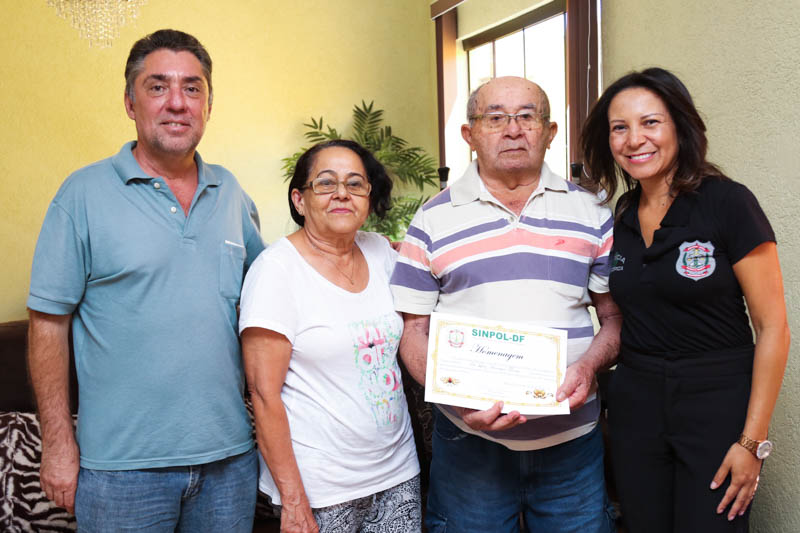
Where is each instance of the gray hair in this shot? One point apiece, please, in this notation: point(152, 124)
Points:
point(174, 40)
point(472, 102)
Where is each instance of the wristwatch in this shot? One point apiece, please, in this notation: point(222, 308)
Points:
point(760, 448)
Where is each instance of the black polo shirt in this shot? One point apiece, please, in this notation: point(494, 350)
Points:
point(680, 294)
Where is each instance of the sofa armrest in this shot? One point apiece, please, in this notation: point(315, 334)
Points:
point(16, 393)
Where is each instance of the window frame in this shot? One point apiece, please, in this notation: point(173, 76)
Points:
point(582, 68)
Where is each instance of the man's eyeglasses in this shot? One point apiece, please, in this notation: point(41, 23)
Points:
point(526, 120)
point(355, 185)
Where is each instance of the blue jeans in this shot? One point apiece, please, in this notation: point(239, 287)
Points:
point(481, 486)
point(213, 497)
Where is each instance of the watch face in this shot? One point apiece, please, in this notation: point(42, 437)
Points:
point(764, 449)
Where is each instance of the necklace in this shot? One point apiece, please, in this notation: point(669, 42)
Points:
point(349, 278)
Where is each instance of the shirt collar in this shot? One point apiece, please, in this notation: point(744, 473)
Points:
point(470, 187)
point(679, 212)
point(128, 168)
point(677, 215)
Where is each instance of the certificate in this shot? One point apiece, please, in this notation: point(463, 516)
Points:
point(474, 363)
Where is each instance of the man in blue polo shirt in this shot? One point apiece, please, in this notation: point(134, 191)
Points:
point(143, 255)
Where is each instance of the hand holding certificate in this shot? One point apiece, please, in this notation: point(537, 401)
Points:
point(475, 363)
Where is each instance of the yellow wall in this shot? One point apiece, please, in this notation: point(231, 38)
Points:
point(739, 61)
point(276, 64)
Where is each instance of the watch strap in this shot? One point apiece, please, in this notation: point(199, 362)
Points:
point(749, 444)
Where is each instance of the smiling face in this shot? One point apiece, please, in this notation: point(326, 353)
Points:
point(642, 135)
point(511, 150)
point(338, 213)
point(170, 104)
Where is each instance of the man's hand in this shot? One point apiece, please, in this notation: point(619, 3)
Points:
point(577, 384)
point(59, 473)
point(491, 419)
point(602, 352)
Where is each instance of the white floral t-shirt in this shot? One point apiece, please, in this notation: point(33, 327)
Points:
point(351, 433)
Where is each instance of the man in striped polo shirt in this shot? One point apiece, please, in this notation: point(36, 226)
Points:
point(512, 241)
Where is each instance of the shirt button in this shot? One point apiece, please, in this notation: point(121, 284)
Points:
point(173, 209)
point(157, 185)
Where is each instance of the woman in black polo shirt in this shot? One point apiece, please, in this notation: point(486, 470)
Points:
point(692, 396)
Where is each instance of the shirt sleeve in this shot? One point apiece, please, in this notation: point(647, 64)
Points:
point(414, 286)
point(600, 269)
point(61, 264)
point(267, 300)
point(382, 249)
point(744, 224)
point(252, 231)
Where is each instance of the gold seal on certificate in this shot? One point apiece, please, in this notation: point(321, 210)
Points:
point(474, 363)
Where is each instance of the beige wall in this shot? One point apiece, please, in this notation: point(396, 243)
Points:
point(475, 16)
point(276, 64)
point(739, 61)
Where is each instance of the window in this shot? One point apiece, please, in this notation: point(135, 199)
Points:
point(555, 45)
point(537, 52)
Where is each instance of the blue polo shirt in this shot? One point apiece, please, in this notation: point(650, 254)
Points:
point(153, 293)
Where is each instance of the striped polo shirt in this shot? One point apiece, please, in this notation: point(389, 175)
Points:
point(465, 253)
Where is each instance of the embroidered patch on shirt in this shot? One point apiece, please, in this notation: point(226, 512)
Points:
point(617, 262)
point(695, 260)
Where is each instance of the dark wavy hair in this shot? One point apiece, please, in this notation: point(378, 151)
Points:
point(174, 40)
point(380, 197)
point(691, 166)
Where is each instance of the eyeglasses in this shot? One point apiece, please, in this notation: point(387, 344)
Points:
point(355, 185)
point(525, 120)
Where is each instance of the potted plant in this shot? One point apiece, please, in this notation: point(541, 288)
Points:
point(410, 165)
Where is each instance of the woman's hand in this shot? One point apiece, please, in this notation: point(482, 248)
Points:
point(298, 518)
point(744, 469)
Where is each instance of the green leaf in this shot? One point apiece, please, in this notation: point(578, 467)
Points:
point(410, 165)
point(288, 164)
point(396, 221)
point(366, 124)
